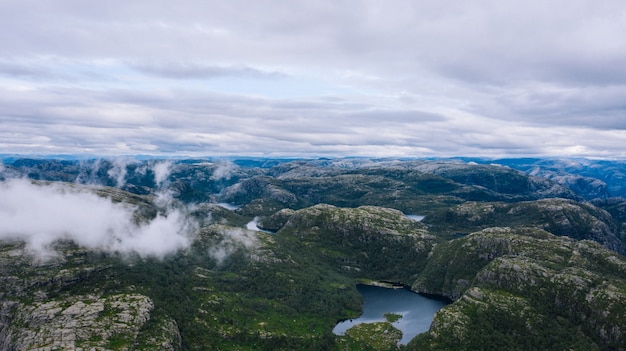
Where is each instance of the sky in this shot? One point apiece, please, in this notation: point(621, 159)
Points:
point(405, 78)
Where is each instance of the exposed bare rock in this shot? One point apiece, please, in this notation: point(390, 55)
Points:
point(561, 217)
point(372, 240)
point(525, 282)
point(88, 322)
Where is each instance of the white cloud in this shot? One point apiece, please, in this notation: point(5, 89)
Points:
point(161, 171)
point(119, 170)
point(42, 214)
point(224, 170)
point(234, 239)
point(393, 78)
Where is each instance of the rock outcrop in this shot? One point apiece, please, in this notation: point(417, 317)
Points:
point(558, 216)
point(526, 284)
point(79, 322)
point(369, 242)
point(37, 312)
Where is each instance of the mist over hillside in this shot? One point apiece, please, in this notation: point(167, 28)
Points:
point(180, 195)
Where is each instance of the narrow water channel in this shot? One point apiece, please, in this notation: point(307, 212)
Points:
point(417, 311)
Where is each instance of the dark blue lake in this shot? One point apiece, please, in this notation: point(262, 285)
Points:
point(417, 311)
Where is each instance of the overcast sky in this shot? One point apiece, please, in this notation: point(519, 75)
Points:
point(314, 78)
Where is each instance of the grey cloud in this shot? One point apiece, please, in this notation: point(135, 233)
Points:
point(398, 116)
point(591, 107)
point(480, 40)
point(50, 70)
point(14, 69)
point(203, 124)
point(443, 77)
point(191, 70)
point(501, 43)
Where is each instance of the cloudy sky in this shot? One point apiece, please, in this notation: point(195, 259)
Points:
point(312, 78)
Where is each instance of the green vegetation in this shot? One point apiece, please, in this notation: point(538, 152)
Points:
point(392, 317)
point(117, 342)
point(525, 289)
point(372, 336)
point(526, 265)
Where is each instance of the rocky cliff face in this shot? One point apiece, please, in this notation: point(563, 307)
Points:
point(88, 322)
point(526, 283)
point(39, 311)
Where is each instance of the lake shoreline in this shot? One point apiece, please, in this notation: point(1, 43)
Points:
point(380, 299)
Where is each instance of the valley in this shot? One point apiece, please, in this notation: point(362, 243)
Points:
point(262, 254)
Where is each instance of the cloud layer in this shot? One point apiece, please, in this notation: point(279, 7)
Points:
point(401, 78)
point(42, 214)
point(93, 216)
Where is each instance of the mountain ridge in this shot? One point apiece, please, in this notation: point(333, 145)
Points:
point(525, 267)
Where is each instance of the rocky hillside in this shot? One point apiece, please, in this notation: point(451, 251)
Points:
point(530, 289)
point(45, 305)
point(557, 216)
point(588, 178)
point(526, 262)
point(367, 242)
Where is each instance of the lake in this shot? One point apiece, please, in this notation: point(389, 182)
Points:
point(416, 310)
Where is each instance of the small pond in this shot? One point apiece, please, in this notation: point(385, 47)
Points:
point(417, 311)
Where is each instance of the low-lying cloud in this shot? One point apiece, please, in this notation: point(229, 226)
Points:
point(161, 171)
point(233, 240)
point(224, 170)
point(41, 214)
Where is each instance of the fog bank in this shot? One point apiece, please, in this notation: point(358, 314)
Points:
point(40, 214)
